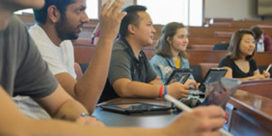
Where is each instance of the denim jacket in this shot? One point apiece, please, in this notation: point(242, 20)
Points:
point(164, 66)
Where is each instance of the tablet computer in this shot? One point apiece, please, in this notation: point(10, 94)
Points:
point(217, 93)
point(134, 107)
point(179, 75)
point(214, 74)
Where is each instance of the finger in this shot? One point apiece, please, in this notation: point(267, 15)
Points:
point(118, 6)
point(186, 92)
point(105, 7)
point(122, 15)
point(113, 6)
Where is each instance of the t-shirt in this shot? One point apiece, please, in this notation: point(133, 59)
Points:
point(22, 69)
point(124, 64)
point(60, 58)
point(236, 72)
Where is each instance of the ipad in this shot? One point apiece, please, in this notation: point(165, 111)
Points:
point(179, 75)
point(217, 93)
point(214, 74)
point(135, 107)
point(197, 96)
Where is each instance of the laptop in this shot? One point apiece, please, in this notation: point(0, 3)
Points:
point(179, 75)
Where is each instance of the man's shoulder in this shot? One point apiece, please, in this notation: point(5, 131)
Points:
point(119, 45)
point(120, 48)
point(16, 25)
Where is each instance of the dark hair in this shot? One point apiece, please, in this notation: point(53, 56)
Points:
point(40, 15)
point(131, 18)
point(257, 31)
point(163, 46)
point(234, 47)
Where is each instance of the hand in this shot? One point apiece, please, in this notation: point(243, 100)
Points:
point(90, 121)
point(266, 74)
point(259, 76)
point(191, 84)
point(201, 121)
point(178, 90)
point(110, 19)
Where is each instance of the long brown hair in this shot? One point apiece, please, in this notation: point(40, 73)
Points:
point(234, 47)
point(163, 46)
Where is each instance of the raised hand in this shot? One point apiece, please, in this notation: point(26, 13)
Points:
point(110, 18)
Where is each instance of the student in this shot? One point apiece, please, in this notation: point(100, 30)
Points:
point(23, 72)
point(59, 22)
point(239, 61)
point(131, 74)
point(171, 51)
point(263, 41)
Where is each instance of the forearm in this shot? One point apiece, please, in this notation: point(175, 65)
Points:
point(136, 89)
point(61, 128)
point(157, 81)
point(91, 85)
point(65, 112)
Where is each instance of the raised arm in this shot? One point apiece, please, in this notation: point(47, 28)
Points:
point(88, 89)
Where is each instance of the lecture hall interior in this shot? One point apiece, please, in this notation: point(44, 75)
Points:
point(209, 23)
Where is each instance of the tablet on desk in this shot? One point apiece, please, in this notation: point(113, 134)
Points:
point(134, 107)
point(179, 75)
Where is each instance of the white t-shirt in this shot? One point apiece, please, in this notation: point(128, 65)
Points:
point(60, 59)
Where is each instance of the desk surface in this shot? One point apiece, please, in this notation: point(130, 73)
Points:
point(150, 120)
point(257, 106)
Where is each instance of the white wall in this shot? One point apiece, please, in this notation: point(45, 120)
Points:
point(236, 9)
point(128, 2)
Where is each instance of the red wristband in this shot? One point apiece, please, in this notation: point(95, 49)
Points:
point(161, 91)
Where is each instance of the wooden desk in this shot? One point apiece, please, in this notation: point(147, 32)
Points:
point(252, 115)
point(150, 120)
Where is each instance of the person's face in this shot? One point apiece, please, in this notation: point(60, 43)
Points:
point(180, 40)
point(247, 45)
point(71, 24)
point(22, 4)
point(144, 32)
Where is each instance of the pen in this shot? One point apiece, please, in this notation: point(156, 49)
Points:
point(184, 107)
point(268, 68)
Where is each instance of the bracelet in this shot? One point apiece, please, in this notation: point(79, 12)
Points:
point(85, 115)
point(165, 90)
point(161, 91)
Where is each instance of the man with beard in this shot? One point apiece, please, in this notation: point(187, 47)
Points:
point(57, 23)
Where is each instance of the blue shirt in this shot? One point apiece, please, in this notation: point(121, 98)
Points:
point(164, 66)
